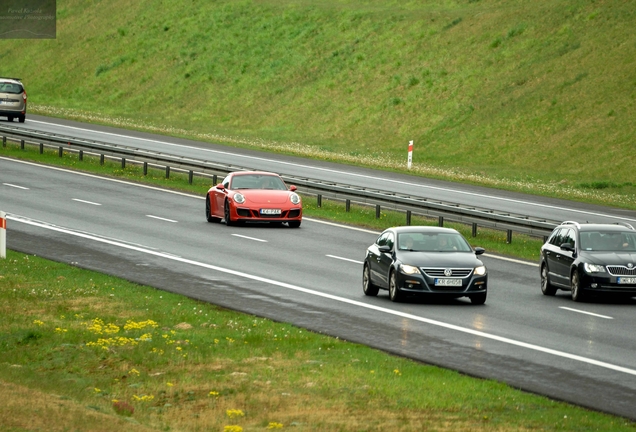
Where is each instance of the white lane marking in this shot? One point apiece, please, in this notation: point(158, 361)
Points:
point(250, 238)
point(160, 218)
point(584, 312)
point(86, 202)
point(15, 186)
point(201, 198)
point(364, 176)
point(297, 288)
point(345, 259)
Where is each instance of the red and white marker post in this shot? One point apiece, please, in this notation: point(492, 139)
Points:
point(3, 235)
point(410, 160)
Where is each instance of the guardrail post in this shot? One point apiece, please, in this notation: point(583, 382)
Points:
point(60, 151)
point(347, 205)
point(21, 144)
point(190, 174)
point(408, 217)
point(474, 229)
point(81, 155)
point(167, 172)
point(318, 200)
point(377, 211)
point(101, 159)
point(123, 163)
point(440, 221)
point(214, 179)
point(41, 148)
point(145, 168)
point(4, 141)
point(509, 236)
point(3, 235)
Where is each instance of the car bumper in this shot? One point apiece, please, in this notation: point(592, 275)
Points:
point(606, 284)
point(421, 284)
point(253, 215)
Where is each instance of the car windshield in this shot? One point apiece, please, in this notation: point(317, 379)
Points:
point(432, 242)
point(257, 181)
point(605, 241)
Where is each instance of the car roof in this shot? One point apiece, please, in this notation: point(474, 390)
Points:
point(254, 172)
point(13, 80)
point(422, 229)
point(597, 226)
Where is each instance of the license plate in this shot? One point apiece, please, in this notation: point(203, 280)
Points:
point(627, 280)
point(270, 211)
point(448, 282)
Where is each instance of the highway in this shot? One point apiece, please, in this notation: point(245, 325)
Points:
point(311, 277)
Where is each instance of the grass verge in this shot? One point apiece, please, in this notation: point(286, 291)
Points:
point(86, 351)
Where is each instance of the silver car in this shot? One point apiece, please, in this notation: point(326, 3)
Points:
point(13, 99)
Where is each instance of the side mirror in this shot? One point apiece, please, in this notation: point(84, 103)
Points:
point(567, 247)
point(292, 188)
point(384, 249)
point(479, 250)
point(220, 186)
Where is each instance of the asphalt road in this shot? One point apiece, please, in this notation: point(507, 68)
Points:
point(311, 277)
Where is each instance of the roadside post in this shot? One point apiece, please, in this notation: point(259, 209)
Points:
point(410, 160)
point(3, 235)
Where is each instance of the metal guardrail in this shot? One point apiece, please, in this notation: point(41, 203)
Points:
point(449, 211)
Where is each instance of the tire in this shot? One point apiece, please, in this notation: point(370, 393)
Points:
point(208, 211)
point(367, 286)
point(228, 217)
point(478, 299)
point(21, 119)
point(546, 287)
point(575, 283)
point(10, 118)
point(293, 224)
point(394, 292)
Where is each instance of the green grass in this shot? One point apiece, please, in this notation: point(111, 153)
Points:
point(522, 246)
point(86, 351)
point(534, 97)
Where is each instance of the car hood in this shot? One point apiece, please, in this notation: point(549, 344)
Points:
point(258, 196)
point(440, 259)
point(610, 258)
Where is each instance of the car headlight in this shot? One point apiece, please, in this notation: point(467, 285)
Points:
point(593, 268)
point(294, 198)
point(409, 270)
point(239, 198)
point(480, 270)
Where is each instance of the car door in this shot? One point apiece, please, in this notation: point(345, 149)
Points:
point(385, 259)
point(566, 258)
point(552, 254)
point(377, 259)
point(219, 198)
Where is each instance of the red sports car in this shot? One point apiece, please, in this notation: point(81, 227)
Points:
point(253, 196)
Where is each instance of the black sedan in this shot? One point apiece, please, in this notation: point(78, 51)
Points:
point(424, 260)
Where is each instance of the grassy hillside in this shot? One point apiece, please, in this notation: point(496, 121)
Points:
point(536, 96)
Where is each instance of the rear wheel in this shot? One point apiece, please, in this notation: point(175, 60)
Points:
point(208, 211)
point(367, 286)
point(228, 215)
point(546, 287)
point(575, 283)
point(478, 299)
point(10, 118)
point(293, 224)
point(21, 119)
point(394, 292)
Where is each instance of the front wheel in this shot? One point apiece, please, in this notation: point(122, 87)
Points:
point(367, 286)
point(546, 287)
point(228, 216)
point(575, 283)
point(394, 292)
point(478, 299)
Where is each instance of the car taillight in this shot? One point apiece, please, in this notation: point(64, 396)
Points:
point(24, 95)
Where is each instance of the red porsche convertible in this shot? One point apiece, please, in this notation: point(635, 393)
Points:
point(253, 196)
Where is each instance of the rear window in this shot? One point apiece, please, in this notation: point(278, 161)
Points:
point(12, 88)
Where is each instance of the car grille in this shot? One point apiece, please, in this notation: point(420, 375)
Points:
point(621, 270)
point(439, 272)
